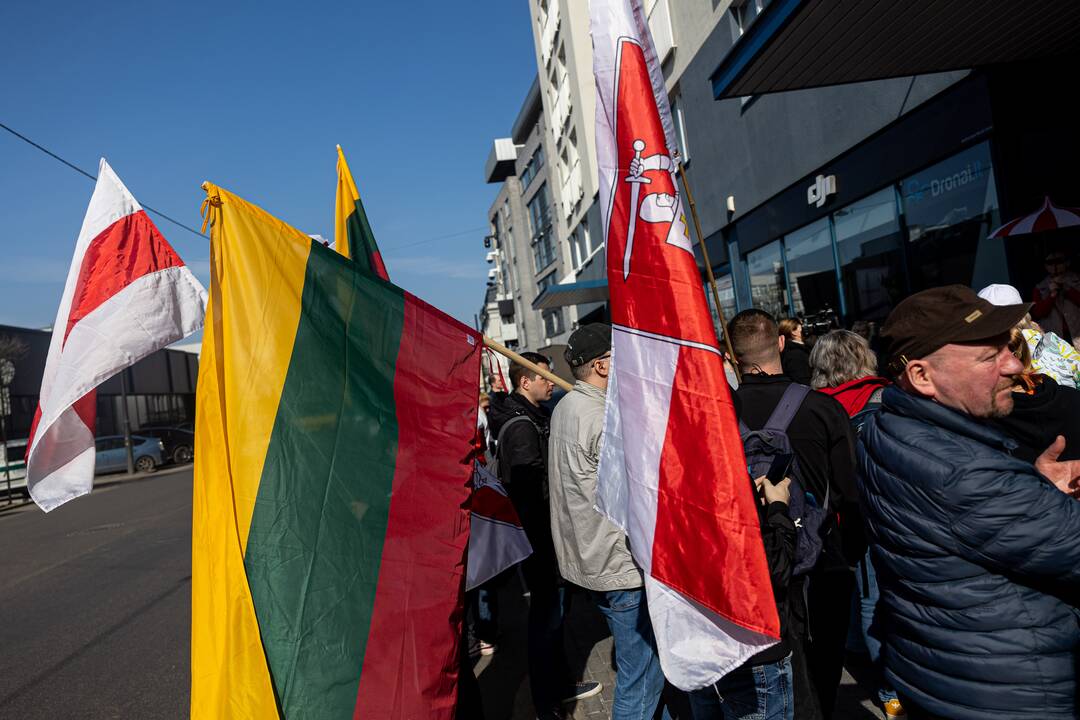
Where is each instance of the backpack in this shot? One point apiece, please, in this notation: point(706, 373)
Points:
point(494, 465)
point(761, 446)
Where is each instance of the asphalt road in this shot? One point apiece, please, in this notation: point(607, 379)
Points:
point(95, 604)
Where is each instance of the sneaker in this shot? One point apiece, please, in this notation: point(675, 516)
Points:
point(486, 648)
point(582, 690)
point(894, 710)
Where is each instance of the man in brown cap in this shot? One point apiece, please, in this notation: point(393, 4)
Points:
point(978, 552)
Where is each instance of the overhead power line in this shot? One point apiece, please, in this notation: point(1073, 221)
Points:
point(78, 169)
point(440, 237)
point(192, 230)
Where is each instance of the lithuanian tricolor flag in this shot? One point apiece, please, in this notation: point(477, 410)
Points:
point(334, 414)
point(353, 237)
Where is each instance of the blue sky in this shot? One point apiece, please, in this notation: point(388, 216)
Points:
point(254, 96)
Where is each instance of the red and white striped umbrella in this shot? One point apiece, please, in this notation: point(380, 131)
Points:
point(1048, 217)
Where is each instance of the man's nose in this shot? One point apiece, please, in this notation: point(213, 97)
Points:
point(1013, 366)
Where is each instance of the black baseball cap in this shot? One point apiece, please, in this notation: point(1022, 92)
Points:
point(587, 343)
point(931, 319)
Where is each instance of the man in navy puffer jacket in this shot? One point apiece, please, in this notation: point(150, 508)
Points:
point(978, 552)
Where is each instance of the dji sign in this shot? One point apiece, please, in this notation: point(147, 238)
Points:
point(821, 190)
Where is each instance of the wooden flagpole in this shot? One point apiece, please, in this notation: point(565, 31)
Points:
point(708, 268)
point(514, 357)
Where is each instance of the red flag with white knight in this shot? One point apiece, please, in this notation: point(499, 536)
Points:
point(127, 295)
point(672, 471)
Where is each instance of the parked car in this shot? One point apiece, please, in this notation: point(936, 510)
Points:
point(179, 442)
point(112, 455)
point(13, 463)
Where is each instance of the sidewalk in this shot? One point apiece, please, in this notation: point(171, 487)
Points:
point(504, 681)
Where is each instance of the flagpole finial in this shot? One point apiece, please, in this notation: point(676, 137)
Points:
point(339, 148)
point(205, 185)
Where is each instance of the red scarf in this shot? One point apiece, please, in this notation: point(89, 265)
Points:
point(854, 394)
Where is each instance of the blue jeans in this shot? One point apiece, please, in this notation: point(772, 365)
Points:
point(868, 594)
point(639, 681)
point(750, 692)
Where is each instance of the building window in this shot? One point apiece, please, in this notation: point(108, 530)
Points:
point(811, 269)
point(540, 224)
point(553, 322)
point(767, 287)
point(535, 164)
point(950, 208)
point(869, 248)
point(743, 14)
point(680, 128)
point(545, 282)
point(579, 244)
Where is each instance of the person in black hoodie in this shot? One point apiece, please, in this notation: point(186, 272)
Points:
point(824, 446)
point(520, 424)
point(762, 686)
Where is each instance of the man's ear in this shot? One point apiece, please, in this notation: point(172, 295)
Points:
point(918, 376)
point(782, 340)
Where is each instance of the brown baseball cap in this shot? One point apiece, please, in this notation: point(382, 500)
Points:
point(931, 319)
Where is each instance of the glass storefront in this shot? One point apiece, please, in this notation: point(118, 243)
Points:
point(927, 230)
point(767, 285)
point(950, 208)
point(811, 269)
point(870, 250)
point(726, 289)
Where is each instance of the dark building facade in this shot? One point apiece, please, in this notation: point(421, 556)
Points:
point(160, 388)
point(847, 198)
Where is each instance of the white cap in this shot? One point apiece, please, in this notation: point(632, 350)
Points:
point(998, 294)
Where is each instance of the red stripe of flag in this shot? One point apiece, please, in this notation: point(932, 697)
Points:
point(722, 514)
point(121, 254)
point(416, 623)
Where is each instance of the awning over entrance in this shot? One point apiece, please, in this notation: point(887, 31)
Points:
point(796, 44)
point(587, 291)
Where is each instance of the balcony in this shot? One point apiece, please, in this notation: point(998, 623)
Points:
point(660, 26)
point(572, 191)
point(560, 111)
point(548, 33)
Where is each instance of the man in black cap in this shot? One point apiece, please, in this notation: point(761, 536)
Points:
point(592, 552)
point(978, 552)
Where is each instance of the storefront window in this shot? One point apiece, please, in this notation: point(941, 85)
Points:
point(812, 269)
point(950, 209)
point(726, 290)
point(869, 245)
point(767, 288)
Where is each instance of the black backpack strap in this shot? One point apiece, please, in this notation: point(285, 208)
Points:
point(785, 410)
point(743, 429)
point(507, 424)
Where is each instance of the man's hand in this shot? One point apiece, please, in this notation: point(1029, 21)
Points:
point(1065, 474)
point(780, 492)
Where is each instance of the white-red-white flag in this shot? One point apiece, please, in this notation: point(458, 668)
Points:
point(127, 294)
point(496, 539)
point(672, 471)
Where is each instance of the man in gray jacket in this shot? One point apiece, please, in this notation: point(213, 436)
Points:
point(591, 551)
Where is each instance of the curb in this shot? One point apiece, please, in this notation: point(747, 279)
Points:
point(106, 481)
